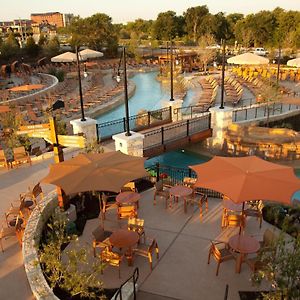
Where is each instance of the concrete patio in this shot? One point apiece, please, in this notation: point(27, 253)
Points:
point(182, 271)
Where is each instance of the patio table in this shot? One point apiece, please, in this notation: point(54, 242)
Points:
point(124, 238)
point(243, 244)
point(178, 191)
point(127, 198)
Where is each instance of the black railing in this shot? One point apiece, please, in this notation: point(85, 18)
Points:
point(134, 277)
point(226, 292)
point(176, 131)
point(190, 111)
point(173, 176)
point(137, 122)
point(262, 111)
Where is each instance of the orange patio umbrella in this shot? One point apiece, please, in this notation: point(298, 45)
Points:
point(247, 178)
point(26, 87)
point(96, 172)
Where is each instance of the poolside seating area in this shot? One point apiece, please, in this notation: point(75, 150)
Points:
point(233, 90)
point(176, 248)
point(209, 90)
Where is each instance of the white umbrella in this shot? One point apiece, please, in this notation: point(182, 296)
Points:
point(248, 59)
point(294, 62)
point(88, 53)
point(66, 57)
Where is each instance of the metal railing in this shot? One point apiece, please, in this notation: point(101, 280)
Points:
point(173, 132)
point(262, 111)
point(137, 123)
point(174, 175)
point(134, 277)
point(191, 111)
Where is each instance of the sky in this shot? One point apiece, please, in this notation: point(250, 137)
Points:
point(122, 11)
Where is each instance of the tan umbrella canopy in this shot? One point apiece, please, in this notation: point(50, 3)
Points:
point(294, 62)
point(96, 172)
point(4, 108)
point(248, 178)
point(66, 57)
point(26, 87)
point(88, 53)
point(248, 59)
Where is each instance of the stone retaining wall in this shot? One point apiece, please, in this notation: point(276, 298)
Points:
point(31, 241)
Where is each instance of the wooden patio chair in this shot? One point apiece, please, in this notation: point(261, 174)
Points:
point(129, 187)
point(112, 258)
point(255, 211)
point(146, 250)
point(3, 160)
point(21, 156)
point(34, 195)
point(107, 202)
point(232, 220)
point(128, 211)
point(219, 254)
point(161, 192)
point(137, 225)
point(101, 239)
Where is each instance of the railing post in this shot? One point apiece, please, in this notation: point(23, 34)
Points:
point(162, 135)
point(149, 118)
point(246, 115)
point(170, 113)
point(273, 108)
point(290, 106)
point(124, 124)
point(226, 292)
point(97, 133)
point(255, 115)
point(190, 172)
point(281, 108)
point(209, 121)
point(157, 171)
point(191, 111)
point(187, 127)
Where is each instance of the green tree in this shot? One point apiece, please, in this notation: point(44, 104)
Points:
point(96, 32)
point(232, 19)
point(31, 48)
point(73, 272)
point(52, 47)
point(194, 19)
point(167, 26)
point(281, 267)
point(42, 40)
point(10, 47)
point(206, 55)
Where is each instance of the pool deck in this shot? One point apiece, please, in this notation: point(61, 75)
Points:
point(182, 271)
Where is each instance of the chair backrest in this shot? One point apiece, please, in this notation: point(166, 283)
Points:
point(111, 257)
point(37, 190)
point(19, 150)
point(215, 251)
point(128, 211)
point(235, 220)
point(98, 234)
point(159, 186)
point(130, 186)
point(151, 246)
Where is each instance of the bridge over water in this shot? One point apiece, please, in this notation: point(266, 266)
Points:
point(169, 129)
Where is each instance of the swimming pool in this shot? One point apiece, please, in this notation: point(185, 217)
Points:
point(149, 95)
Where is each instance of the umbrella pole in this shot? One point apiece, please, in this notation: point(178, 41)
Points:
point(242, 217)
point(101, 210)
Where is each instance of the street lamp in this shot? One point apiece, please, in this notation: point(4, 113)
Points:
point(118, 78)
point(278, 65)
point(223, 76)
point(79, 85)
point(171, 52)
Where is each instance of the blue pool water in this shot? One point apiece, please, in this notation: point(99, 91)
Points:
point(149, 95)
point(178, 159)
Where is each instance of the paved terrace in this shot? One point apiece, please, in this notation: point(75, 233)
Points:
point(182, 271)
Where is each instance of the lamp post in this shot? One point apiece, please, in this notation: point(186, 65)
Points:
point(171, 71)
point(125, 92)
point(278, 65)
point(79, 85)
point(223, 76)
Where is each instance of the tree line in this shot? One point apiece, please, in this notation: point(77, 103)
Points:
point(269, 29)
